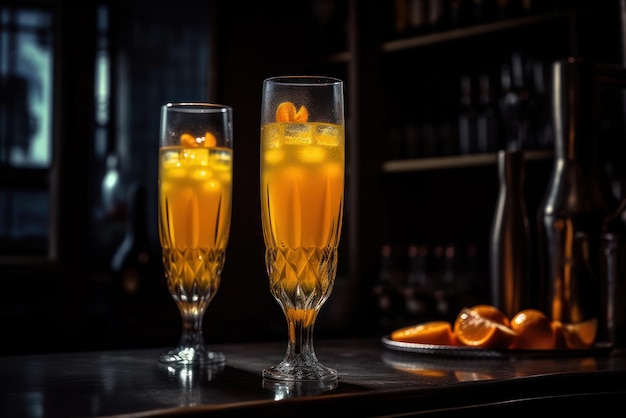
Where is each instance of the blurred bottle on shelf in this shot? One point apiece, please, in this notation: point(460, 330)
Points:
point(400, 18)
point(502, 9)
point(483, 11)
point(387, 291)
point(135, 268)
point(112, 191)
point(514, 111)
point(467, 117)
point(448, 132)
point(459, 13)
point(487, 132)
point(447, 292)
point(437, 286)
point(507, 104)
point(418, 296)
point(524, 104)
point(417, 15)
point(541, 129)
point(436, 14)
point(429, 133)
point(613, 281)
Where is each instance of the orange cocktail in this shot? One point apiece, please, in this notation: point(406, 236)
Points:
point(195, 193)
point(302, 189)
point(302, 195)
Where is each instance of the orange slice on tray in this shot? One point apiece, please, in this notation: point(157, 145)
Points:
point(208, 140)
point(534, 330)
point(493, 313)
point(431, 332)
point(286, 112)
point(475, 330)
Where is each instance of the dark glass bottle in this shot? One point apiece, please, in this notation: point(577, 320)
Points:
point(467, 117)
point(510, 246)
point(614, 288)
point(486, 119)
point(135, 269)
point(578, 203)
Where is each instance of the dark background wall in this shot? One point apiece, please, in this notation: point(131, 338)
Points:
point(222, 51)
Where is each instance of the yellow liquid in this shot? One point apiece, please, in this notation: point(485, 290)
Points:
point(195, 194)
point(302, 195)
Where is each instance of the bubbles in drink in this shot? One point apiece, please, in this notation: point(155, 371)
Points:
point(272, 136)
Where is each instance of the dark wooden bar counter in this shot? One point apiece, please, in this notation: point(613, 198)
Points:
point(373, 381)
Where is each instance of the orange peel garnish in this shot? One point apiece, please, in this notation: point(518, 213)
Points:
point(209, 140)
point(188, 140)
point(286, 112)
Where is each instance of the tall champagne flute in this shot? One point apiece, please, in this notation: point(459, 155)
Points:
point(195, 194)
point(302, 198)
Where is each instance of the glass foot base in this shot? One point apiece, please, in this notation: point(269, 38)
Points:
point(300, 372)
point(284, 389)
point(192, 355)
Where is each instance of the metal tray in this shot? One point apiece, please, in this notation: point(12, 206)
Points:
point(598, 349)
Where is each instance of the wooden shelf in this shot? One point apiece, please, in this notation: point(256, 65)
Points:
point(457, 34)
point(457, 161)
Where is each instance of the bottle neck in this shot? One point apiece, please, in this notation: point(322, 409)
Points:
point(573, 108)
point(511, 169)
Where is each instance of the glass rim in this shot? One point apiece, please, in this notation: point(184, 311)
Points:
point(304, 80)
point(200, 107)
